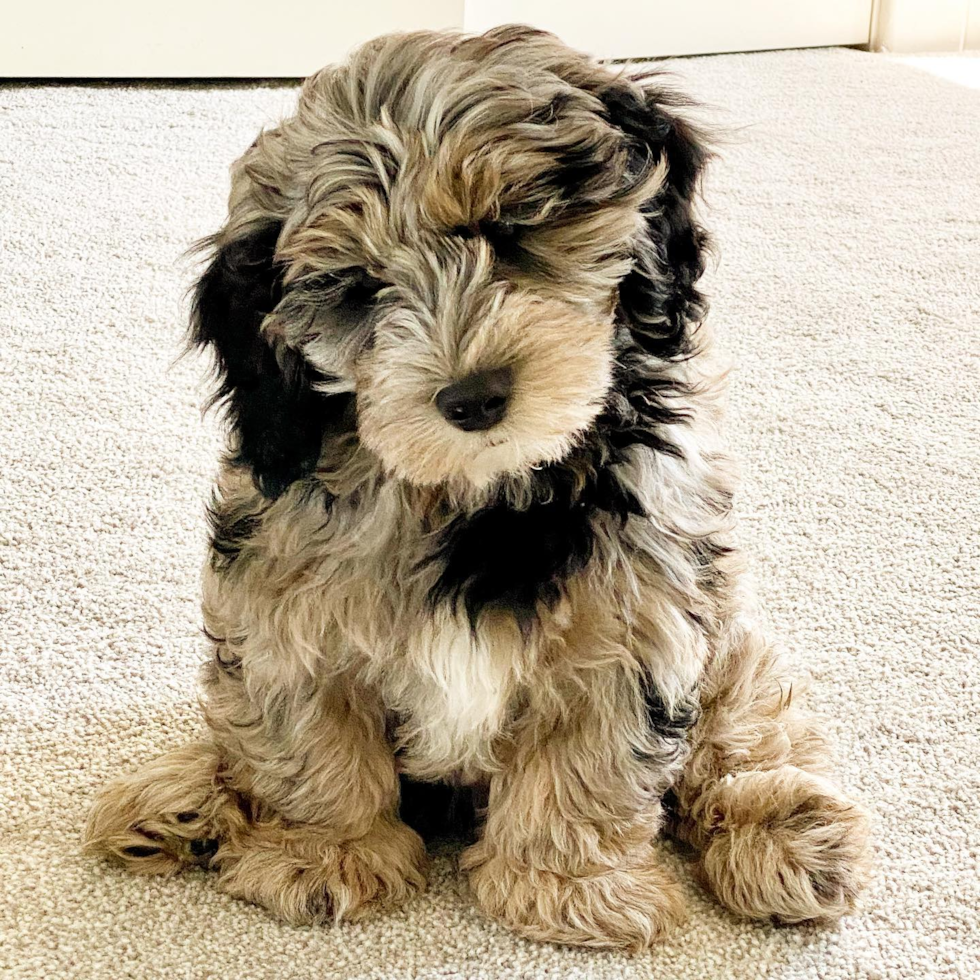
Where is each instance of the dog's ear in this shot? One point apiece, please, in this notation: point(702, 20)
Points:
point(278, 420)
point(659, 301)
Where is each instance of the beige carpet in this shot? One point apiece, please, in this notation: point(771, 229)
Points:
point(848, 215)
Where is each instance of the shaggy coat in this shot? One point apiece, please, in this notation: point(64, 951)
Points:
point(531, 590)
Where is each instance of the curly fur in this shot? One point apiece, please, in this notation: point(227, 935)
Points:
point(551, 610)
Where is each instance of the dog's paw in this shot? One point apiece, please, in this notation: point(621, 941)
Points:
point(786, 844)
point(630, 907)
point(303, 874)
point(161, 817)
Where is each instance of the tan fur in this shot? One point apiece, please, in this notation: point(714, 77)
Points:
point(397, 417)
point(332, 671)
point(777, 837)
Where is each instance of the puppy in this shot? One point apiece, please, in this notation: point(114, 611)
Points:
point(474, 523)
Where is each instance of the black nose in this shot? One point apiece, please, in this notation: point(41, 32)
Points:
point(477, 402)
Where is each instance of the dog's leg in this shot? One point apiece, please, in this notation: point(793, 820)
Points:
point(294, 803)
point(320, 836)
point(567, 853)
point(777, 837)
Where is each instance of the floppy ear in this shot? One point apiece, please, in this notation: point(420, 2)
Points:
point(278, 420)
point(659, 301)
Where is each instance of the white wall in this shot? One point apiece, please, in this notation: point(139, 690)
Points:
point(652, 28)
point(199, 38)
point(972, 39)
point(265, 39)
point(927, 25)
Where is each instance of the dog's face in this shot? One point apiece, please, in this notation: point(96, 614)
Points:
point(455, 234)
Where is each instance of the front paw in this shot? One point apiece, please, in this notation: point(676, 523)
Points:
point(165, 816)
point(631, 906)
point(303, 874)
point(786, 844)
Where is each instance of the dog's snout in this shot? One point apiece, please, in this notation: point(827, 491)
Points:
point(477, 402)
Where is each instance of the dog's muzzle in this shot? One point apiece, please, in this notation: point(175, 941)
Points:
point(478, 402)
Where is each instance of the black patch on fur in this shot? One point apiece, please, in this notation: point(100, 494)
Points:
point(439, 811)
point(230, 533)
point(512, 559)
point(659, 300)
point(668, 730)
point(205, 847)
point(505, 240)
point(668, 726)
point(671, 804)
point(707, 553)
point(278, 419)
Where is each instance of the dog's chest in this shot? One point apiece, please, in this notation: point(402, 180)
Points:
point(452, 692)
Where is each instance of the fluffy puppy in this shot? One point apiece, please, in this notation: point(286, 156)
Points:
point(473, 526)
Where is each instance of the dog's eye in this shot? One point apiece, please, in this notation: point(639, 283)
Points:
point(354, 301)
point(358, 289)
point(504, 237)
point(344, 285)
point(493, 231)
point(466, 232)
point(500, 231)
point(350, 290)
point(345, 297)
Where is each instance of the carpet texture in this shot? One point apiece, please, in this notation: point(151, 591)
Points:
point(846, 208)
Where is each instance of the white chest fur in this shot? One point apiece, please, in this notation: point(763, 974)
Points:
point(452, 690)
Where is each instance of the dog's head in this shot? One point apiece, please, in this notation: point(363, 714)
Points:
point(470, 250)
